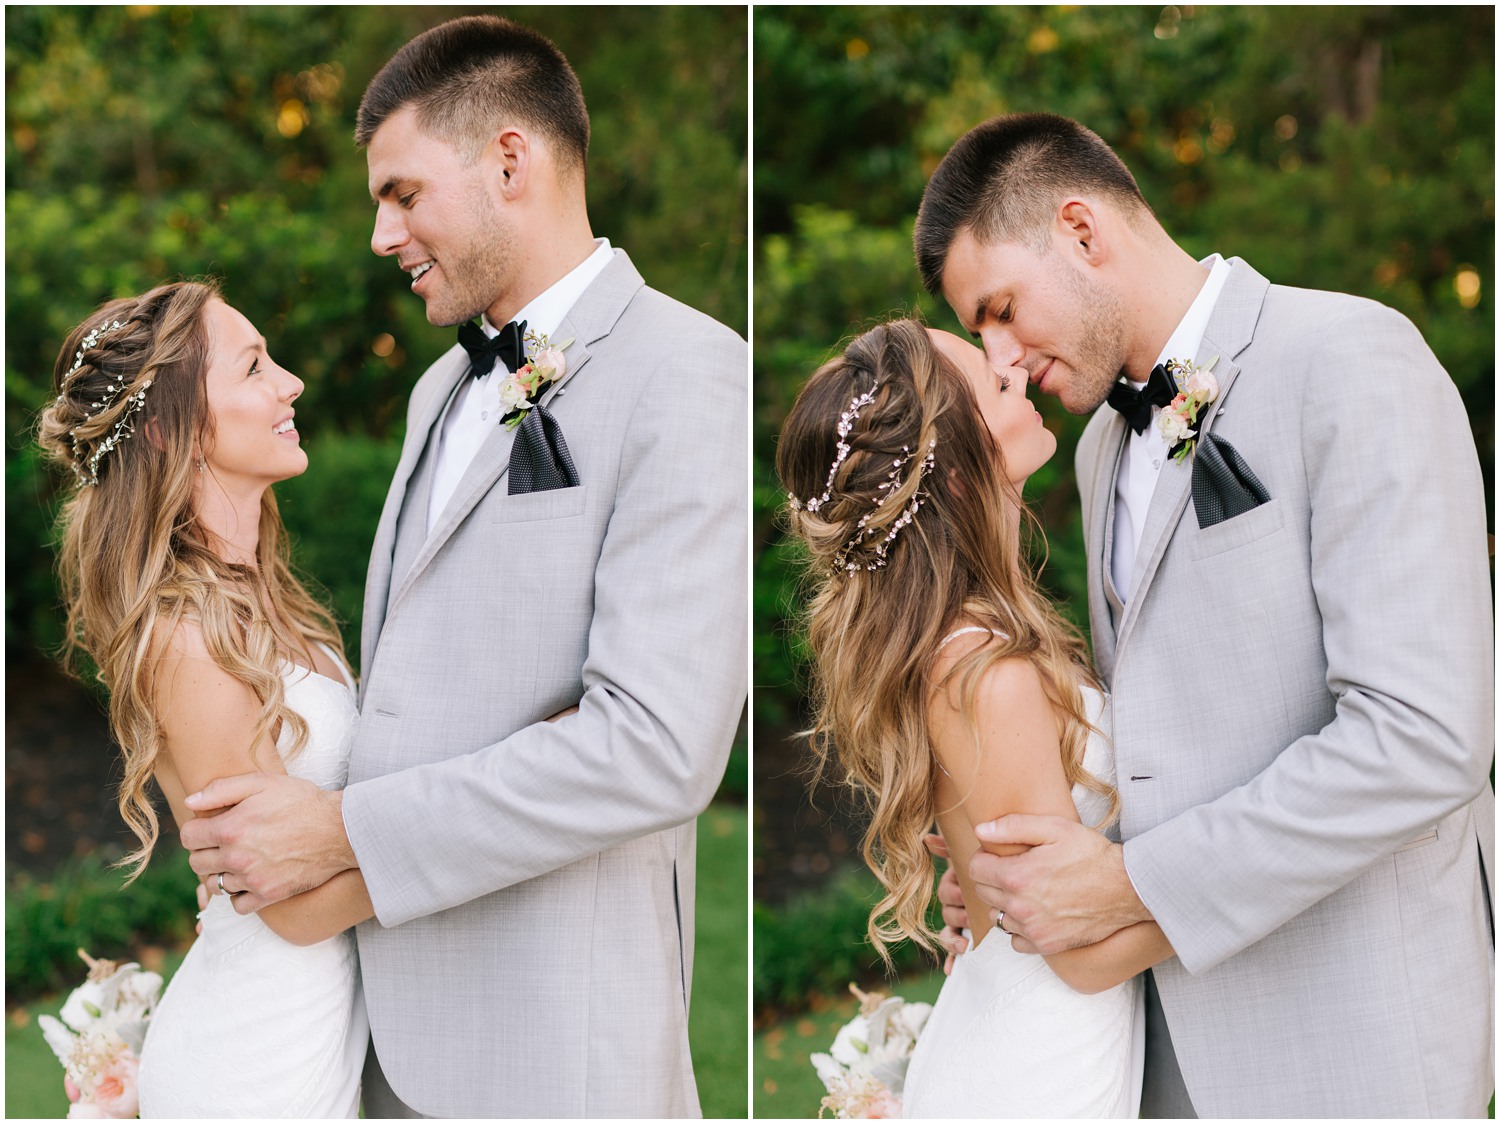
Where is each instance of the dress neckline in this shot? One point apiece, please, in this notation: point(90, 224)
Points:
point(346, 682)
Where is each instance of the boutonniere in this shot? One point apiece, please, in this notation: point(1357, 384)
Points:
point(545, 364)
point(1196, 388)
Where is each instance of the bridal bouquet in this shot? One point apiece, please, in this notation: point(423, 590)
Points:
point(864, 1070)
point(100, 1046)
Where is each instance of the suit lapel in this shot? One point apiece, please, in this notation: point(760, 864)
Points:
point(1100, 515)
point(382, 554)
point(590, 320)
point(1230, 330)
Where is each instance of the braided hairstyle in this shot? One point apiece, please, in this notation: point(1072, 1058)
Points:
point(874, 621)
point(129, 422)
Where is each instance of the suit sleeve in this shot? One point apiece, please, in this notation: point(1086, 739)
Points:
point(664, 679)
point(1399, 570)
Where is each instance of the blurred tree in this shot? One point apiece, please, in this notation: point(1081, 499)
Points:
point(1344, 148)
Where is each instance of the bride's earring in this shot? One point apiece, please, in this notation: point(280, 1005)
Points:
point(201, 466)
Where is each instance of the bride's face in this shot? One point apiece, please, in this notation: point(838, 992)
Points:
point(1025, 443)
point(255, 441)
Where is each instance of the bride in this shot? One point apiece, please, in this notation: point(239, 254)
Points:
point(175, 422)
point(950, 689)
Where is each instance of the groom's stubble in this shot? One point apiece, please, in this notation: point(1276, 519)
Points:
point(1100, 349)
point(481, 263)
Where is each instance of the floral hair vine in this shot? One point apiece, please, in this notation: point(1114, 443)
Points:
point(846, 423)
point(87, 471)
point(844, 560)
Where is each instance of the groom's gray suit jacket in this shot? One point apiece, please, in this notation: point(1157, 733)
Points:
point(1304, 721)
point(533, 881)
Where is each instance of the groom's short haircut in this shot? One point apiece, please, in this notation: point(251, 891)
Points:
point(471, 77)
point(1004, 180)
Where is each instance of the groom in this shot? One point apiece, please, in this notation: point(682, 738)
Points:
point(1295, 622)
point(532, 881)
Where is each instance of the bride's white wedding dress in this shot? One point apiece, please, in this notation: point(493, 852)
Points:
point(1008, 1039)
point(252, 1025)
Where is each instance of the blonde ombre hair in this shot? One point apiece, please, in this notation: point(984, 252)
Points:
point(134, 559)
point(874, 634)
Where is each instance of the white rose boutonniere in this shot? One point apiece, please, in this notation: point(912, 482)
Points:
point(1197, 388)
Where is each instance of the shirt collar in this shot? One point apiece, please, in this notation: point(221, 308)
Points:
point(1185, 340)
point(546, 310)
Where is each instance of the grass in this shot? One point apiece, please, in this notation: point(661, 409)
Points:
point(785, 1085)
point(718, 1029)
point(719, 1024)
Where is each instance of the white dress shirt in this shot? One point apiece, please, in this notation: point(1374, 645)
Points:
point(1146, 452)
point(474, 411)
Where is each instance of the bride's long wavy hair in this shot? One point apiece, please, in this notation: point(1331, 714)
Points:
point(133, 557)
point(874, 634)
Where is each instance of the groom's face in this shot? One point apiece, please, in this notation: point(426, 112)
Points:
point(1041, 312)
point(434, 214)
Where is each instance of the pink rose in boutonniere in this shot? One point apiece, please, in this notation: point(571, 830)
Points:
point(1178, 418)
point(545, 364)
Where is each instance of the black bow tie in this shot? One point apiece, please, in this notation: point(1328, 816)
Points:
point(1136, 405)
point(484, 350)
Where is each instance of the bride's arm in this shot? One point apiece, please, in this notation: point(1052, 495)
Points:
point(1010, 760)
point(1124, 953)
point(207, 718)
point(318, 914)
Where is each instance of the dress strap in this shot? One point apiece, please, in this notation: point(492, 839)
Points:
point(957, 632)
point(338, 663)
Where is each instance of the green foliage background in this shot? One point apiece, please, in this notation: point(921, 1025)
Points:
point(1343, 148)
point(145, 143)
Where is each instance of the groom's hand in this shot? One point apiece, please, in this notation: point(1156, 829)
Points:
point(277, 836)
point(1070, 888)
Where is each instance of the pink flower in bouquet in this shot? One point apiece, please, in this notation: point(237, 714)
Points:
point(885, 1106)
point(73, 1091)
point(115, 1091)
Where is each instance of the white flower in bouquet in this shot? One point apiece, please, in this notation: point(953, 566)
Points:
point(865, 1068)
point(851, 1043)
point(84, 1005)
point(914, 1017)
point(101, 1061)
